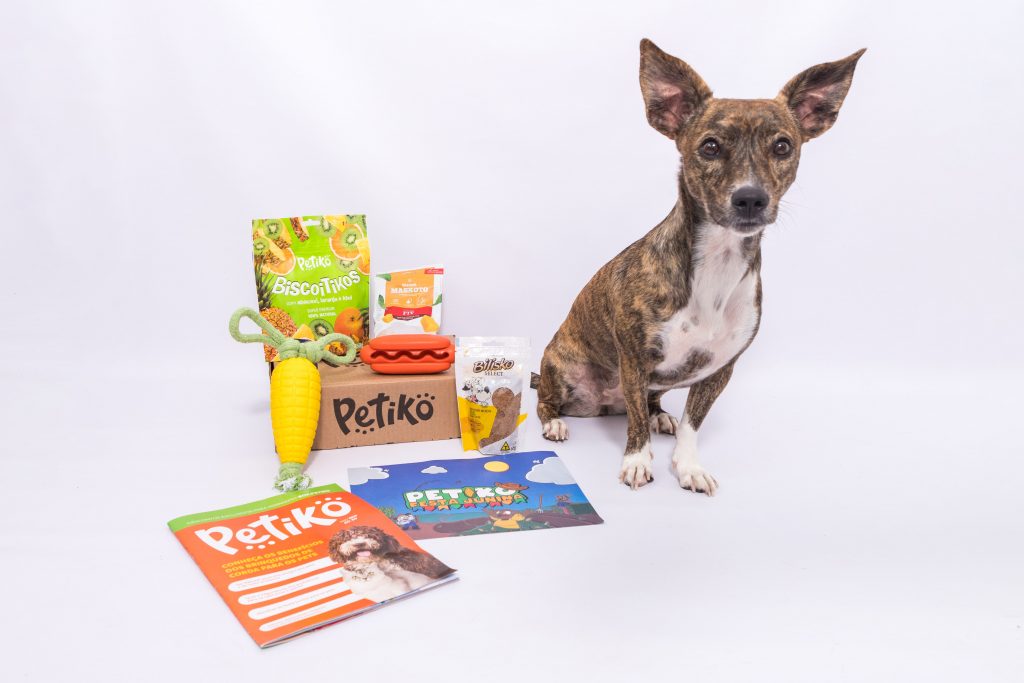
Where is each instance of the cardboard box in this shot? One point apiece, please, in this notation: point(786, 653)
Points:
point(359, 407)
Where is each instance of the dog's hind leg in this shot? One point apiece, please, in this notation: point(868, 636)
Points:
point(661, 422)
point(688, 469)
point(551, 395)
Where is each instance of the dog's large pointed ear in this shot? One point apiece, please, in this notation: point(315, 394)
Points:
point(814, 96)
point(673, 92)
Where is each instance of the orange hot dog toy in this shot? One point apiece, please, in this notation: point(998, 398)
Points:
point(409, 354)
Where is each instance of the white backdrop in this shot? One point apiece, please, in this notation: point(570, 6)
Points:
point(868, 521)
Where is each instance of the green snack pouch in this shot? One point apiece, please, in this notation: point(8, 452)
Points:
point(312, 275)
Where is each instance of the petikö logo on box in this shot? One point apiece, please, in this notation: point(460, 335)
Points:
point(383, 411)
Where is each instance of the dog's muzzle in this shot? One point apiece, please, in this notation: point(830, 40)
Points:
point(749, 204)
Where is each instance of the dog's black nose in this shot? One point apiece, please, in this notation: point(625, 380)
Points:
point(749, 201)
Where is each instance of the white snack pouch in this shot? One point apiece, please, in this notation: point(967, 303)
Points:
point(406, 302)
point(490, 375)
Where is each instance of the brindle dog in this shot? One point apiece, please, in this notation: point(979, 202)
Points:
point(677, 307)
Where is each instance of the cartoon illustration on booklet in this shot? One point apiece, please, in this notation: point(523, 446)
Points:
point(295, 562)
point(493, 494)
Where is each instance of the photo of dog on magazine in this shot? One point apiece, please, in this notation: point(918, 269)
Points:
point(295, 562)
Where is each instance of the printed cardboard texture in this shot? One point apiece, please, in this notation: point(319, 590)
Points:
point(467, 497)
point(295, 562)
point(359, 407)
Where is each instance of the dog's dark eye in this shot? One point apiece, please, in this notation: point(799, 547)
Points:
point(782, 147)
point(710, 148)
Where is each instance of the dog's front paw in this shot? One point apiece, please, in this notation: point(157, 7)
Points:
point(636, 468)
point(663, 423)
point(556, 430)
point(696, 479)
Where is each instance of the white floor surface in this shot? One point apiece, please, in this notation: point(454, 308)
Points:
point(865, 530)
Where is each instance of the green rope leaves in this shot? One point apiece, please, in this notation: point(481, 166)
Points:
point(291, 478)
point(314, 351)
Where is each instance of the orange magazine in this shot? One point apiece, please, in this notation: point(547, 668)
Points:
point(298, 561)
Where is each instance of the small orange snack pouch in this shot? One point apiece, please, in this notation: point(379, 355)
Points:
point(406, 302)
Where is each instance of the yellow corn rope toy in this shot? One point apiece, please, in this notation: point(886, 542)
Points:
point(294, 392)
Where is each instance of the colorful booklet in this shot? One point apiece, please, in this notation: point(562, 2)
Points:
point(295, 562)
point(465, 497)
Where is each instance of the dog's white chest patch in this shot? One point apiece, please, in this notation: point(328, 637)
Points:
point(720, 317)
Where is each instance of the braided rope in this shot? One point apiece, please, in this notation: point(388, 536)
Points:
point(291, 478)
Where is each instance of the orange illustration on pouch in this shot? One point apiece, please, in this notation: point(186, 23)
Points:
point(401, 299)
point(350, 322)
point(412, 289)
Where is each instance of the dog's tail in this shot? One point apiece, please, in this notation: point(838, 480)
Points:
point(534, 380)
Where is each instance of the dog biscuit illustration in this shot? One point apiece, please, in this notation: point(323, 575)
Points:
point(506, 420)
